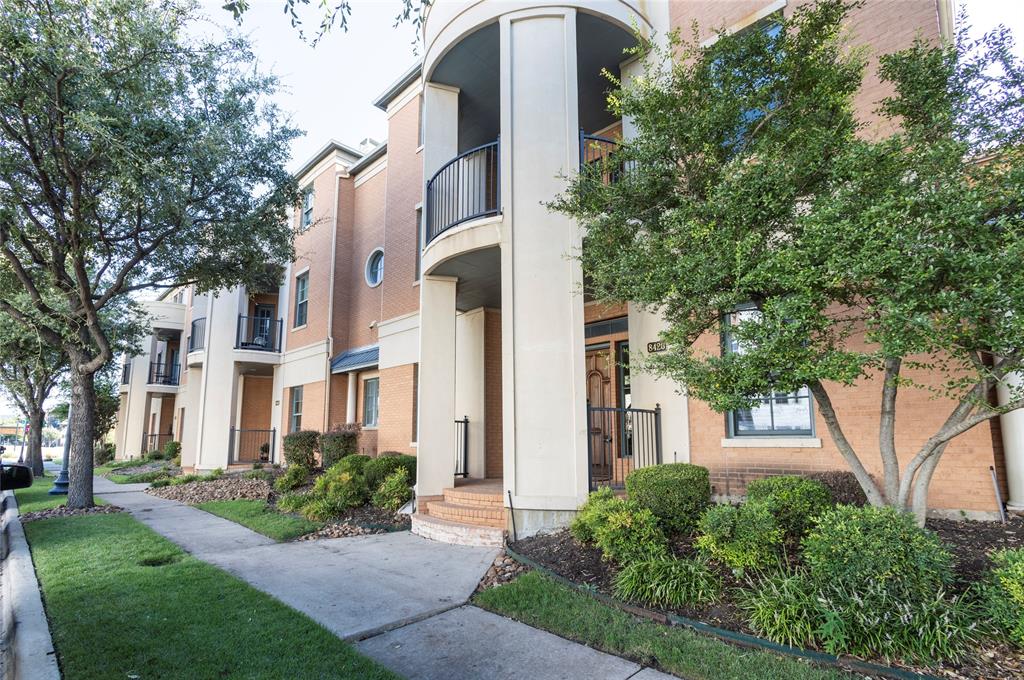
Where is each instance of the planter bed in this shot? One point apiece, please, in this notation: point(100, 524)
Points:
point(360, 522)
point(970, 542)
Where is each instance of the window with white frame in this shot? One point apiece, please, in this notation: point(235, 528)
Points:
point(295, 410)
point(371, 402)
point(301, 299)
point(375, 268)
point(307, 208)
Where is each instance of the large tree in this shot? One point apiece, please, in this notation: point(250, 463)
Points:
point(133, 155)
point(885, 254)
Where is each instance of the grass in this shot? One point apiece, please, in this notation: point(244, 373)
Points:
point(37, 497)
point(260, 517)
point(125, 602)
point(541, 602)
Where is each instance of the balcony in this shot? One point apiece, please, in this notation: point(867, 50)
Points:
point(468, 187)
point(197, 335)
point(162, 374)
point(258, 333)
point(126, 373)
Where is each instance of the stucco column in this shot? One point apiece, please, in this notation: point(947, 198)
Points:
point(1012, 426)
point(351, 382)
point(435, 459)
point(543, 379)
point(440, 126)
point(469, 383)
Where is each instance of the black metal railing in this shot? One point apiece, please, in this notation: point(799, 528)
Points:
point(197, 335)
point(155, 442)
point(126, 374)
point(621, 440)
point(594, 152)
point(163, 374)
point(462, 447)
point(251, 446)
point(258, 333)
point(465, 188)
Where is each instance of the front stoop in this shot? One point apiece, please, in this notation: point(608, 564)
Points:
point(444, 531)
point(472, 513)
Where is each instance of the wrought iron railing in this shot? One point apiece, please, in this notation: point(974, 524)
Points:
point(465, 188)
point(163, 374)
point(594, 152)
point(251, 446)
point(197, 335)
point(462, 447)
point(155, 442)
point(621, 440)
point(258, 333)
point(126, 373)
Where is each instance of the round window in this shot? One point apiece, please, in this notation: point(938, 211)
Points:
point(375, 268)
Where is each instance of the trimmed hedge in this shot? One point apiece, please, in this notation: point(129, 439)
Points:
point(794, 501)
point(300, 448)
point(676, 493)
point(631, 534)
point(394, 491)
point(377, 469)
point(594, 513)
point(743, 537)
point(338, 443)
point(353, 464)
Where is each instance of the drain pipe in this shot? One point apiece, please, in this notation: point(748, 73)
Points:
point(512, 512)
point(999, 496)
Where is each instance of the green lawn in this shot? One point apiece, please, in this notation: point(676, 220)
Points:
point(260, 517)
point(124, 602)
point(541, 602)
point(36, 497)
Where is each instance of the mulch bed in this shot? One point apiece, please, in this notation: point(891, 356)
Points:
point(969, 541)
point(222, 489)
point(64, 511)
point(361, 522)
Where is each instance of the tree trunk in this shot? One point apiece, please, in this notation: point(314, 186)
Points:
point(887, 430)
point(919, 498)
point(34, 454)
point(83, 417)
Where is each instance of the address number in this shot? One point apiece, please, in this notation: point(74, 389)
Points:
point(657, 346)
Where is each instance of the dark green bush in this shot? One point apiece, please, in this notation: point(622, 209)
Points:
point(159, 483)
point(337, 443)
point(394, 491)
point(172, 449)
point(300, 448)
point(294, 476)
point(668, 582)
point(676, 493)
point(794, 501)
point(843, 486)
point(377, 469)
point(353, 464)
point(853, 548)
point(631, 534)
point(593, 514)
point(102, 453)
point(743, 537)
point(1003, 594)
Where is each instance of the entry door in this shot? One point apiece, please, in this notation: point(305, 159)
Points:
point(600, 394)
point(263, 316)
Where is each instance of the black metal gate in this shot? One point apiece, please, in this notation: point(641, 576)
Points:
point(462, 447)
point(620, 440)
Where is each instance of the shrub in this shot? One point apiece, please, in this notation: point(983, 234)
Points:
point(214, 474)
point(794, 501)
point(668, 582)
point(843, 486)
point(348, 489)
point(184, 479)
point(102, 454)
point(259, 474)
point(352, 464)
point(594, 513)
point(300, 448)
point(172, 449)
point(676, 493)
point(631, 534)
point(743, 537)
point(1003, 594)
point(292, 502)
point(377, 469)
point(394, 491)
point(294, 477)
point(783, 608)
point(855, 547)
point(159, 483)
point(176, 461)
point(321, 508)
point(338, 443)
point(155, 454)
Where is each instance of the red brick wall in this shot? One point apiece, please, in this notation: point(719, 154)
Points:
point(405, 190)
point(257, 400)
point(313, 250)
point(396, 403)
point(493, 457)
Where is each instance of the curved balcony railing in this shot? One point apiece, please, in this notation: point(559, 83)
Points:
point(197, 335)
point(594, 151)
point(465, 188)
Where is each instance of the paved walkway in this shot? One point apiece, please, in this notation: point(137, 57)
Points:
point(401, 598)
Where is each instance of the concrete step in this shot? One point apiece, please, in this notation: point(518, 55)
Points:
point(468, 514)
point(437, 529)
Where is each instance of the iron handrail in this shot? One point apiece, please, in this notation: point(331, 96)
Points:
point(445, 212)
point(194, 343)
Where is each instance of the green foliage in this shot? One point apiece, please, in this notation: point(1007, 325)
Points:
point(292, 502)
point(668, 582)
point(676, 493)
point(842, 485)
point(353, 464)
point(794, 501)
point(160, 483)
point(782, 607)
point(261, 517)
point(631, 534)
point(185, 479)
point(172, 450)
point(300, 448)
point(854, 548)
point(141, 477)
point(740, 537)
point(394, 491)
point(349, 490)
point(338, 443)
point(294, 476)
point(377, 469)
point(103, 453)
point(1003, 594)
point(259, 474)
point(594, 513)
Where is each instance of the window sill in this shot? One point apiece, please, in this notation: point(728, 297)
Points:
point(771, 443)
point(370, 427)
point(297, 328)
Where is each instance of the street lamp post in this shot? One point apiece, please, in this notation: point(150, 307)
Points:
point(60, 485)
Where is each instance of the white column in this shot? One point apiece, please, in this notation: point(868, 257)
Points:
point(469, 384)
point(1012, 426)
point(544, 399)
point(351, 383)
point(440, 126)
point(435, 459)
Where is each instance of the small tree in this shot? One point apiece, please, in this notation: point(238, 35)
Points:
point(751, 182)
point(133, 155)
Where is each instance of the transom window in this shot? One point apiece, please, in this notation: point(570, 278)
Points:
point(307, 208)
point(295, 410)
point(371, 402)
point(375, 268)
point(301, 299)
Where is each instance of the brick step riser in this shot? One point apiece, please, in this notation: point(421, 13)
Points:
point(466, 515)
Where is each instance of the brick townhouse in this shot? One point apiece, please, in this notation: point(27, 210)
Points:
point(432, 299)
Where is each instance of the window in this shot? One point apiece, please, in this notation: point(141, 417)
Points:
point(375, 268)
point(301, 299)
point(419, 241)
point(775, 414)
point(307, 208)
point(295, 410)
point(371, 402)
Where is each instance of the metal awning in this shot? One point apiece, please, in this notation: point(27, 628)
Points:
point(355, 359)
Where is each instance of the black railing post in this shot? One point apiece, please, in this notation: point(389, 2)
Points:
point(590, 451)
point(465, 446)
point(273, 443)
point(657, 432)
point(280, 337)
point(231, 445)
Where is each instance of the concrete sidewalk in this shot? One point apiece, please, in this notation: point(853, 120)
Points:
point(402, 597)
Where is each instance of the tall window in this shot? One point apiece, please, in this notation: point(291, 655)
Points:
point(301, 299)
point(295, 410)
point(775, 414)
point(419, 241)
point(307, 207)
point(371, 402)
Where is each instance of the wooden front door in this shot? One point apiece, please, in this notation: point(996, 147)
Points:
point(601, 394)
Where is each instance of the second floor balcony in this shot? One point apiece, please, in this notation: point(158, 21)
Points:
point(161, 373)
point(197, 335)
point(468, 187)
point(258, 333)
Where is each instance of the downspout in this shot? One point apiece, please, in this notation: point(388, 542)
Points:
point(330, 300)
